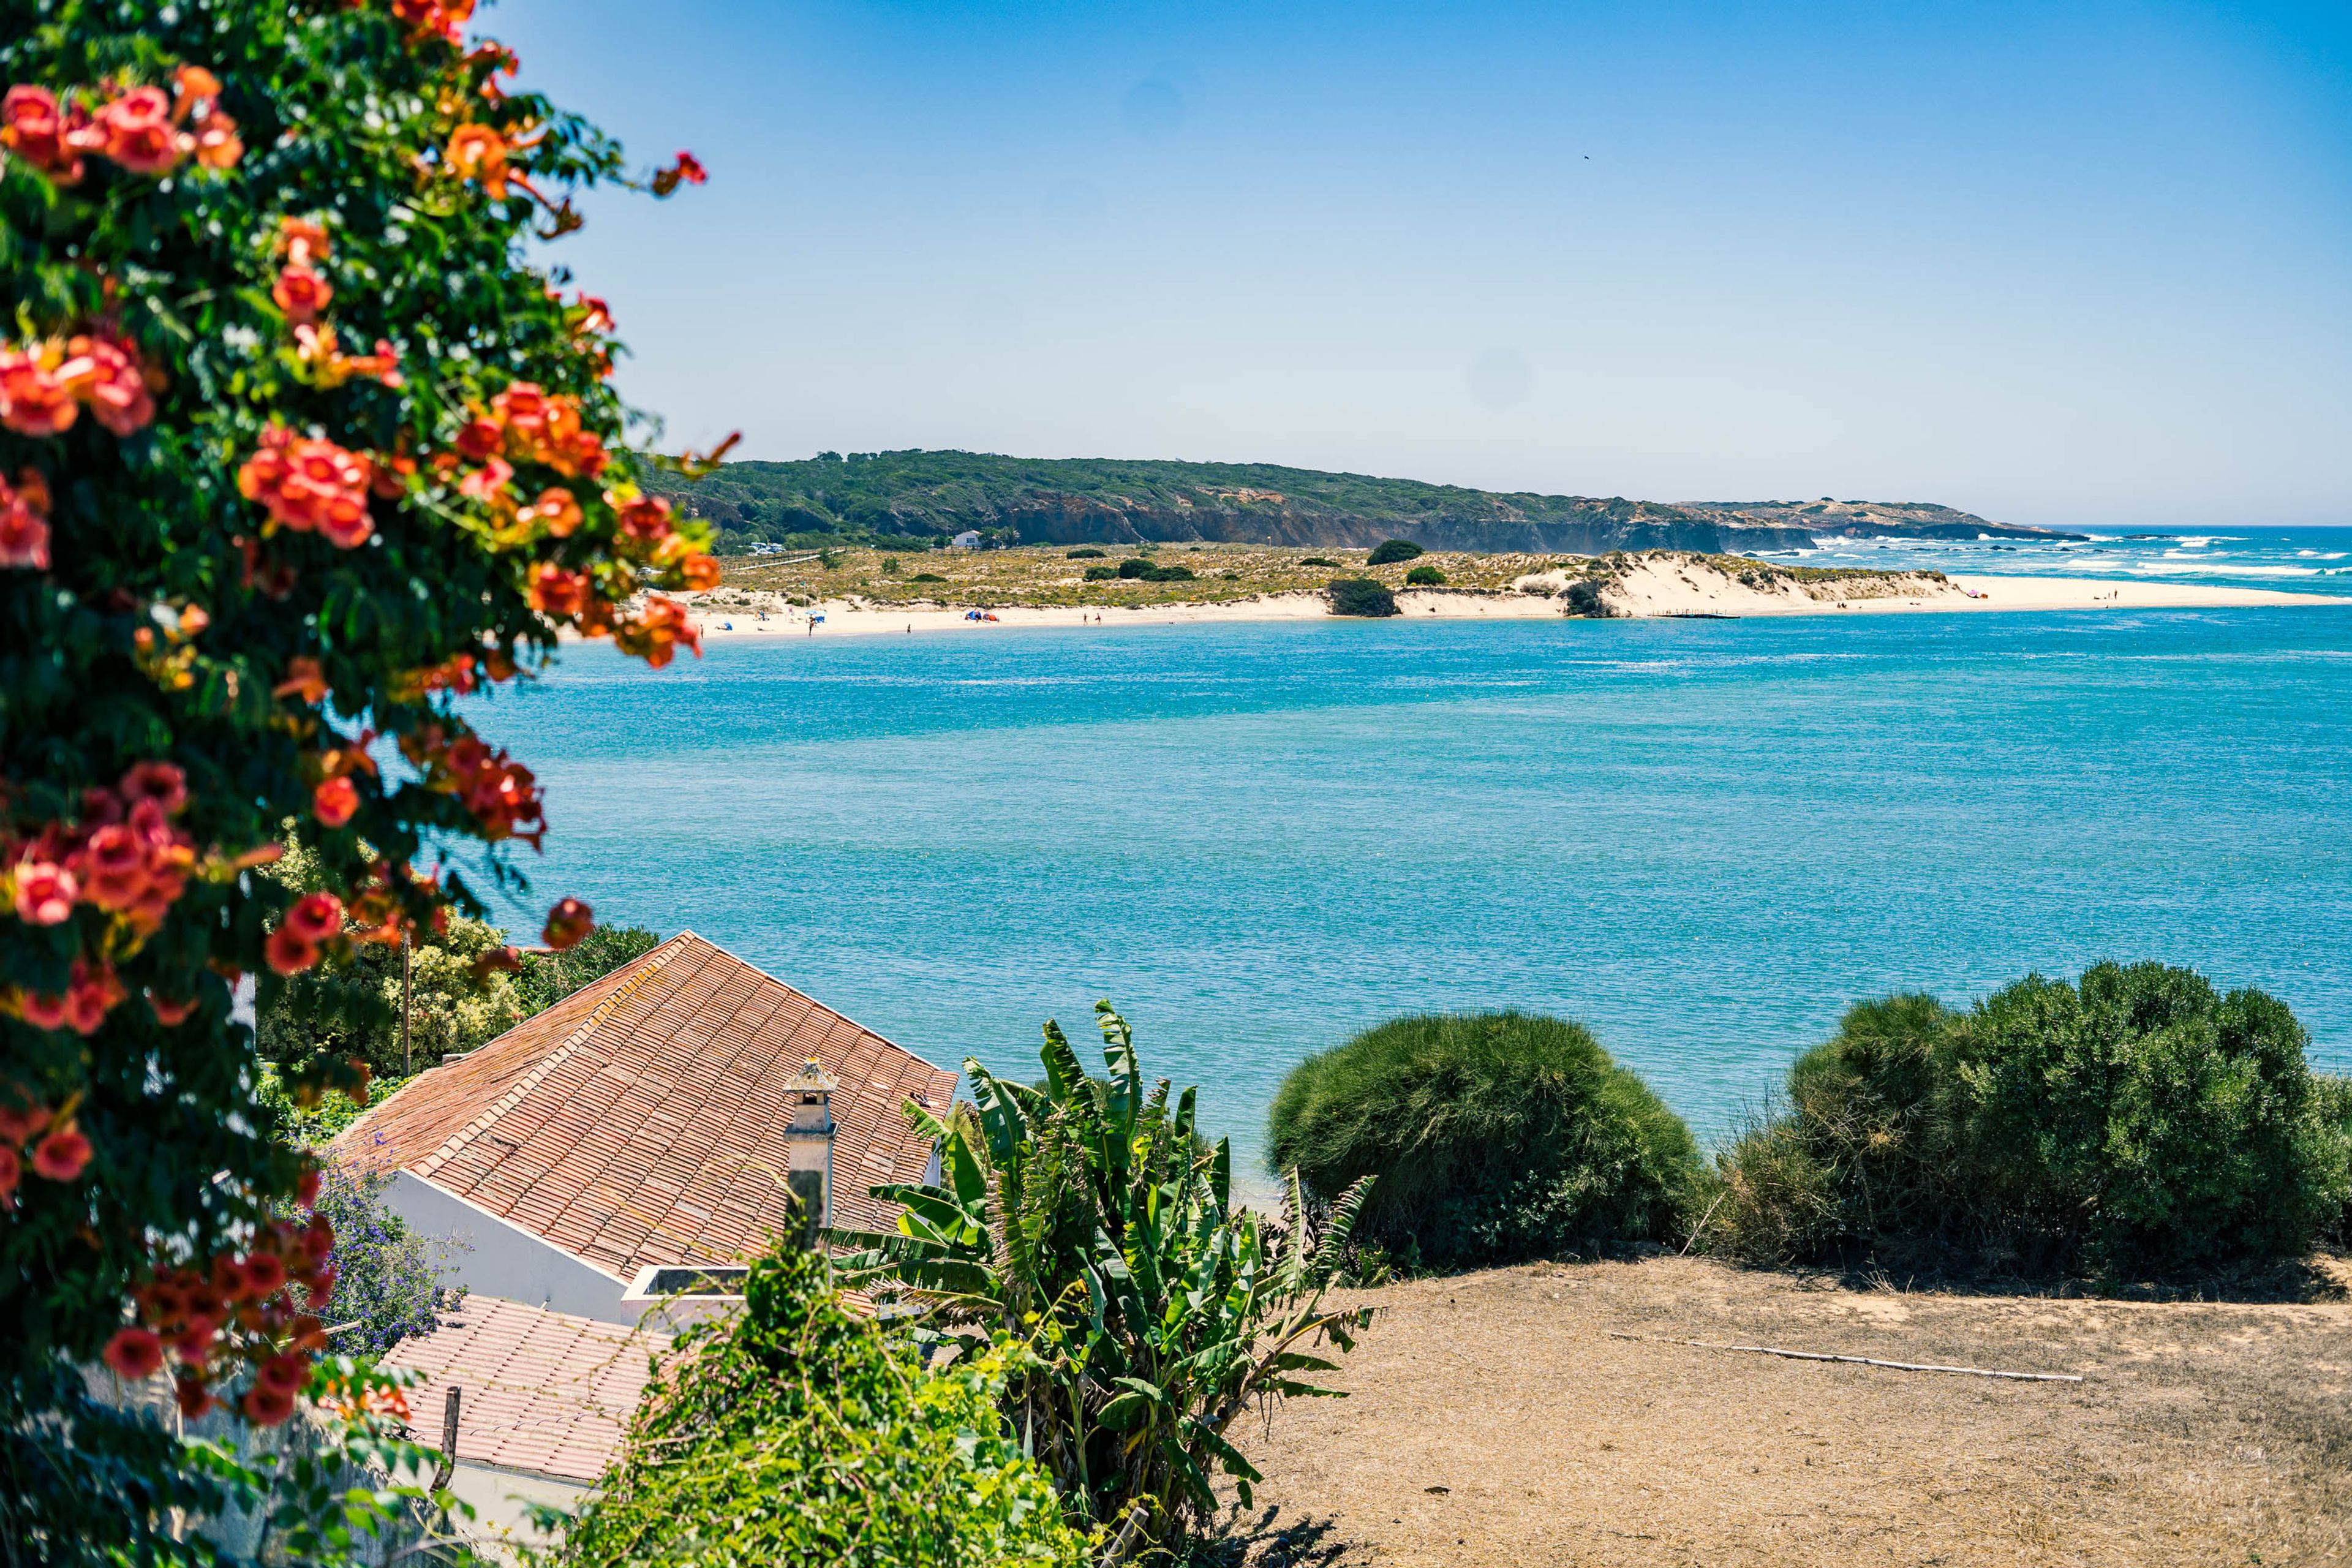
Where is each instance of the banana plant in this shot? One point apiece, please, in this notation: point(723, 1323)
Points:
point(1088, 1217)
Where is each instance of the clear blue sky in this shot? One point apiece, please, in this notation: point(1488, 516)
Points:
point(2051, 263)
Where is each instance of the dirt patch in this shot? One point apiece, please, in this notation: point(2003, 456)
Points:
point(1493, 1420)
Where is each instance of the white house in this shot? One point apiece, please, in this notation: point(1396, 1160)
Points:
point(597, 1158)
point(968, 540)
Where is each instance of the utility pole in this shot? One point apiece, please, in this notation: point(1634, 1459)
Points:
point(407, 1066)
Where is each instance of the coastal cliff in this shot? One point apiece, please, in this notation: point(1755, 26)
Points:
point(1868, 519)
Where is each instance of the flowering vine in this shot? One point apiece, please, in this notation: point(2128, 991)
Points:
point(303, 458)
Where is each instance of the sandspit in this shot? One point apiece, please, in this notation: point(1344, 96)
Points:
point(1661, 585)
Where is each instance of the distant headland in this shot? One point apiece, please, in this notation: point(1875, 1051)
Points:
point(907, 500)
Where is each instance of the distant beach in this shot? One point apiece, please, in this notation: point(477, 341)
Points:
point(1654, 592)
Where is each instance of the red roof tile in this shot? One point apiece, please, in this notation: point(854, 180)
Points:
point(641, 1120)
point(542, 1391)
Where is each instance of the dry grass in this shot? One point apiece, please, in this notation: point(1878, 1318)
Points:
point(1040, 576)
point(1495, 1422)
point(995, 579)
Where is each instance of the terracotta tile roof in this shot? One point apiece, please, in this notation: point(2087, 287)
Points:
point(641, 1120)
point(543, 1391)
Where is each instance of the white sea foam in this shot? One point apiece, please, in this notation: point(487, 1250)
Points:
point(2218, 569)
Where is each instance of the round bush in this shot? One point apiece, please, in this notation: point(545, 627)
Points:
point(924, 577)
point(1084, 552)
point(1134, 566)
point(1425, 577)
point(1390, 551)
point(1167, 574)
point(1496, 1136)
point(1359, 597)
point(2134, 1121)
point(1317, 561)
point(1101, 575)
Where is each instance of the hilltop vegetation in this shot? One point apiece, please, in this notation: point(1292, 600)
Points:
point(908, 500)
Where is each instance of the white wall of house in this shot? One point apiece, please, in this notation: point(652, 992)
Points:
point(502, 1501)
point(494, 1256)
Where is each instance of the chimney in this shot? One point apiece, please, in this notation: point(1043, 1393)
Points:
point(809, 1143)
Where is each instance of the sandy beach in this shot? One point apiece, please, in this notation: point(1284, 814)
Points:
point(1653, 586)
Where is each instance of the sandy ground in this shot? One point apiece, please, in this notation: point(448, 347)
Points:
point(1492, 1420)
point(1654, 586)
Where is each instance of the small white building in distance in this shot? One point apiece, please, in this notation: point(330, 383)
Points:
point(596, 1159)
point(968, 540)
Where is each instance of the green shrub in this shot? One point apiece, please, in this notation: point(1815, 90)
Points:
point(1359, 597)
point(1494, 1136)
point(1168, 575)
point(1425, 577)
point(918, 577)
point(1584, 599)
point(1317, 561)
point(2135, 1122)
point(1101, 575)
point(547, 978)
point(799, 1433)
point(354, 1010)
point(2331, 1108)
point(1134, 566)
point(1084, 552)
point(1390, 551)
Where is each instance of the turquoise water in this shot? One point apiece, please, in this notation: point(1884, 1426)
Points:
point(1701, 838)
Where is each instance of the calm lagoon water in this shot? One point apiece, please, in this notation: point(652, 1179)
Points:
point(1701, 838)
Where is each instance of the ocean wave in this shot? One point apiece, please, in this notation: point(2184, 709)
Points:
point(2218, 569)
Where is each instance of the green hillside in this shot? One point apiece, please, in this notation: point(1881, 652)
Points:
point(907, 500)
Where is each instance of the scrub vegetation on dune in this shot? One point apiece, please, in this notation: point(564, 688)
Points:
point(1159, 575)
